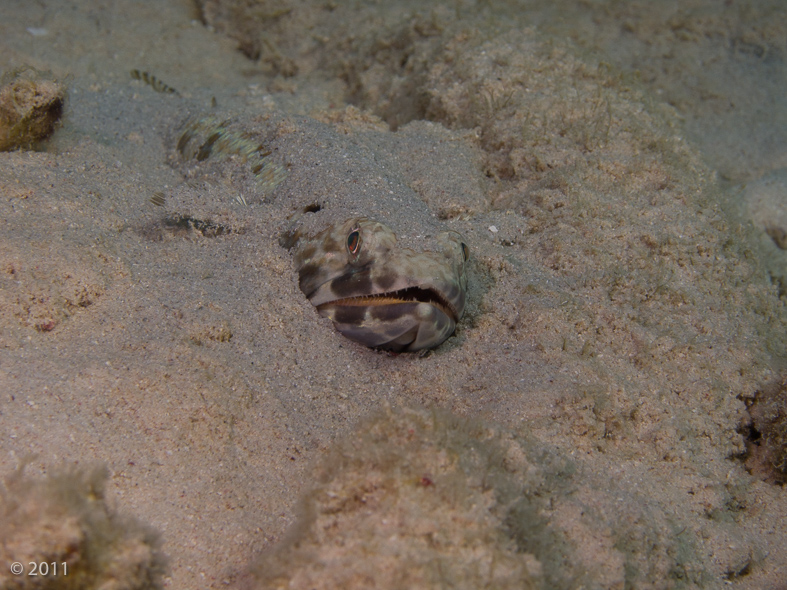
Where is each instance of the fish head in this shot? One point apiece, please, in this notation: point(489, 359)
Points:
point(380, 294)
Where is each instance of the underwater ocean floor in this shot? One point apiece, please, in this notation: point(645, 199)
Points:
point(612, 409)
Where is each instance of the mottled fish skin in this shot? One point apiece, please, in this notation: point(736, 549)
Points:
point(379, 294)
point(402, 291)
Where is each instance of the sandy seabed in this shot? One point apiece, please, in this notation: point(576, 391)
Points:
point(608, 413)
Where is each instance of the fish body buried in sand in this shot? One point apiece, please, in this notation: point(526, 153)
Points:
point(398, 285)
point(381, 295)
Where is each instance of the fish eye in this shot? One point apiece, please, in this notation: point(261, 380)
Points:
point(465, 251)
point(354, 241)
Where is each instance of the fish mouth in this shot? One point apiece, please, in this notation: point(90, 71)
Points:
point(406, 295)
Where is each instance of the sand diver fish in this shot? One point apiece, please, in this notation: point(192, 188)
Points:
point(369, 254)
point(379, 294)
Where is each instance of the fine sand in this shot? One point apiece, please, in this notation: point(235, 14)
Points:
point(611, 410)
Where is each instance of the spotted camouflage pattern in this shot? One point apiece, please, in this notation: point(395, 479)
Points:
point(379, 294)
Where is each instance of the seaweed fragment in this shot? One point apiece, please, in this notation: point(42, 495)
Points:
point(153, 82)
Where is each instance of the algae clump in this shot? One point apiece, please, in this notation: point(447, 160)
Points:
point(31, 104)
